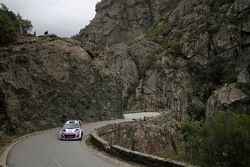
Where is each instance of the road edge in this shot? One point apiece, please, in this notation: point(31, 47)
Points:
point(4, 152)
point(134, 156)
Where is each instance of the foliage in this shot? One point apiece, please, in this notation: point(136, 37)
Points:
point(173, 64)
point(220, 71)
point(175, 48)
point(220, 141)
point(244, 87)
point(159, 32)
point(10, 25)
point(146, 64)
point(196, 112)
point(190, 131)
point(167, 37)
point(25, 25)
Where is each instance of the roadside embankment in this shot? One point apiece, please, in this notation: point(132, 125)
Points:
point(97, 137)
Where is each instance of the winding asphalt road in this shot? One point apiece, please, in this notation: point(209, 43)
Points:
point(45, 150)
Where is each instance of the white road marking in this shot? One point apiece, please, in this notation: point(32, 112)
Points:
point(58, 163)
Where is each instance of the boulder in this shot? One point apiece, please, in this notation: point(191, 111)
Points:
point(227, 98)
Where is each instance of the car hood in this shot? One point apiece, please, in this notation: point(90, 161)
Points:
point(70, 130)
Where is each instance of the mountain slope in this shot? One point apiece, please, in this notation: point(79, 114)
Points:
point(177, 53)
point(47, 80)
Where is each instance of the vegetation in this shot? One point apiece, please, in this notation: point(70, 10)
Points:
point(175, 48)
point(8, 26)
point(25, 25)
point(159, 32)
point(196, 111)
point(220, 141)
point(244, 87)
point(11, 25)
point(217, 72)
point(146, 64)
point(220, 71)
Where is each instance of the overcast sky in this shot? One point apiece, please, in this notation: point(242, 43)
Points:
point(62, 17)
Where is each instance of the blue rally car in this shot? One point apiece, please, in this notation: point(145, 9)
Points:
point(72, 130)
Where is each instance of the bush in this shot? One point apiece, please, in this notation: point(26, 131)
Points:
point(196, 111)
point(146, 64)
point(175, 48)
point(11, 25)
point(25, 25)
point(219, 71)
point(190, 131)
point(159, 32)
point(8, 27)
point(244, 87)
point(222, 141)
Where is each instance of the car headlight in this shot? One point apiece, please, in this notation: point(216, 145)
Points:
point(63, 131)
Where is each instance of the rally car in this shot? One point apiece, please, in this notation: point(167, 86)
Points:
point(71, 130)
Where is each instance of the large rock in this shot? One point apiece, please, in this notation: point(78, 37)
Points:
point(243, 77)
point(170, 53)
point(45, 81)
point(120, 21)
point(230, 98)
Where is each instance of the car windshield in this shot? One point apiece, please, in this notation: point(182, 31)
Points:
point(71, 126)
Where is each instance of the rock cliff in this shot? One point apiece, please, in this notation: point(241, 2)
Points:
point(119, 21)
point(150, 135)
point(173, 53)
point(45, 81)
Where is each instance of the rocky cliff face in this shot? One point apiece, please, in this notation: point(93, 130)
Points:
point(176, 53)
point(119, 21)
point(45, 81)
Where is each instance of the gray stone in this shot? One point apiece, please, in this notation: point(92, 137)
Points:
point(49, 80)
point(224, 98)
point(243, 77)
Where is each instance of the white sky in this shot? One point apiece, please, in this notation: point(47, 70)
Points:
point(61, 17)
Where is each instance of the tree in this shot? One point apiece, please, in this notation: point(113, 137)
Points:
point(3, 7)
point(8, 28)
point(223, 141)
point(11, 25)
point(24, 25)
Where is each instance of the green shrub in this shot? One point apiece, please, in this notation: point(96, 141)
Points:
point(244, 87)
point(157, 33)
point(196, 111)
point(221, 141)
point(11, 25)
point(220, 71)
point(25, 25)
point(8, 27)
point(175, 48)
point(146, 64)
point(190, 131)
point(173, 64)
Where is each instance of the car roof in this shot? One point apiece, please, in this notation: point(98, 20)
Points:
point(72, 122)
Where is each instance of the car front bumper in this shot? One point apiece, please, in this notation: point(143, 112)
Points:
point(71, 136)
